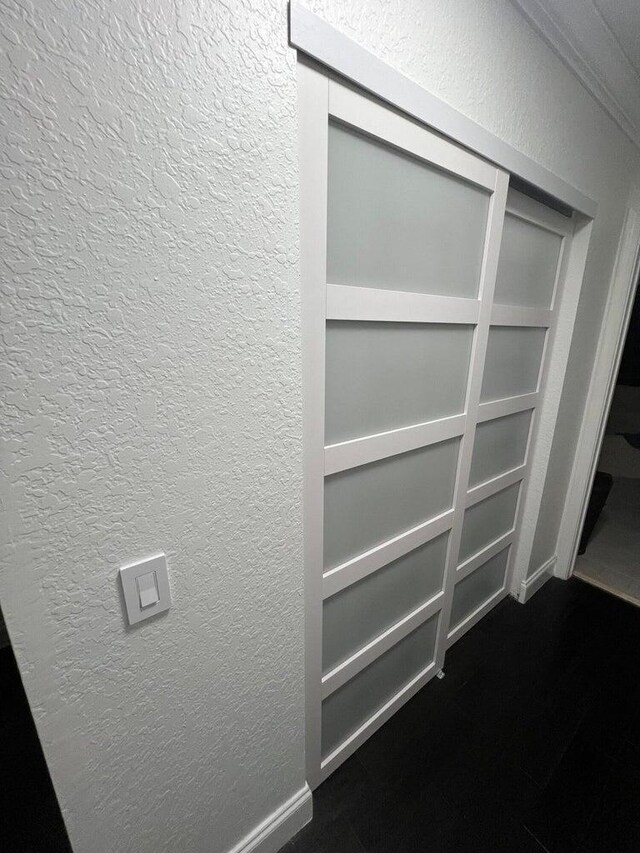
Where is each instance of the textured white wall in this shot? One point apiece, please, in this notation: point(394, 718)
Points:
point(150, 315)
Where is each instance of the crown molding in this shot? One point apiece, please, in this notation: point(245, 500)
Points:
point(577, 33)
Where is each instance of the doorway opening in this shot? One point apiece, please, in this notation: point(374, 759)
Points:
point(609, 552)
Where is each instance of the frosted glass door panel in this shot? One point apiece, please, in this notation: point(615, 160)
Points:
point(351, 705)
point(381, 376)
point(499, 446)
point(478, 587)
point(363, 611)
point(512, 363)
point(487, 520)
point(397, 223)
point(529, 258)
point(370, 504)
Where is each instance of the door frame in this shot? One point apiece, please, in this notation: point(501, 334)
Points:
point(613, 332)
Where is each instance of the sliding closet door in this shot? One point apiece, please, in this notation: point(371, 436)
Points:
point(421, 385)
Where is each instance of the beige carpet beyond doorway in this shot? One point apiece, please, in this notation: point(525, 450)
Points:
point(612, 558)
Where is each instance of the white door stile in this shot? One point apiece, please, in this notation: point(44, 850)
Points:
point(360, 112)
point(379, 645)
point(508, 406)
point(313, 98)
point(497, 207)
point(370, 448)
point(369, 303)
point(496, 484)
point(475, 561)
point(336, 579)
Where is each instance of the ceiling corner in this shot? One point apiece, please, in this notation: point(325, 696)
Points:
point(582, 37)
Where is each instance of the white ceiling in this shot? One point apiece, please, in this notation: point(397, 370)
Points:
point(623, 19)
point(600, 41)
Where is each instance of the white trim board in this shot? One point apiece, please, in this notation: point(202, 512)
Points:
point(486, 553)
point(369, 448)
point(367, 303)
point(312, 36)
point(280, 826)
point(359, 567)
point(529, 586)
point(379, 645)
point(313, 98)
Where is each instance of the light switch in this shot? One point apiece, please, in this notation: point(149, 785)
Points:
point(148, 589)
point(145, 585)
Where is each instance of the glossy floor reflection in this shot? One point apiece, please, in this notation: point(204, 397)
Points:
point(530, 743)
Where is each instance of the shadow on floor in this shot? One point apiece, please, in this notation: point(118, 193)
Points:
point(530, 743)
point(30, 819)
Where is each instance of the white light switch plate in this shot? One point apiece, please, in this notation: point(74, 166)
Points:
point(145, 585)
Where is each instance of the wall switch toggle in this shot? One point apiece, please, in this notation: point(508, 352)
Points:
point(145, 586)
point(148, 589)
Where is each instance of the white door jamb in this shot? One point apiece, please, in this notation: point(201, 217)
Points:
point(608, 354)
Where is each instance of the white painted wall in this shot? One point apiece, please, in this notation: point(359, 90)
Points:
point(150, 314)
point(151, 318)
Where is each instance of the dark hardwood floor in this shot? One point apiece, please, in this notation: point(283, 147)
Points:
point(531, 742)
point(30, 819)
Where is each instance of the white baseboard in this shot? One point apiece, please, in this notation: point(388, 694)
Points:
point(532, 584)
point(281, 825)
